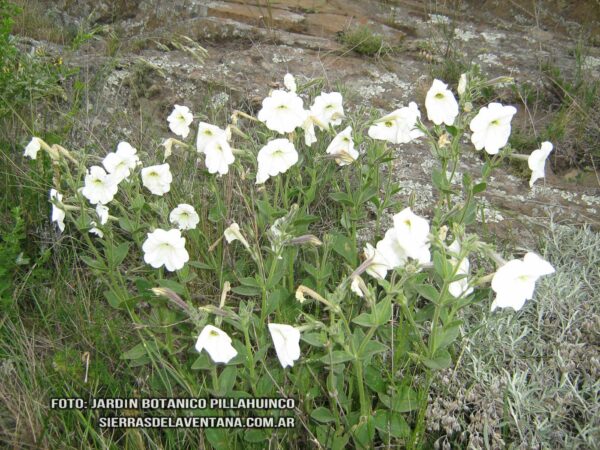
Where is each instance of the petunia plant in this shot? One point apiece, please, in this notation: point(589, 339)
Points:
point(272, 255)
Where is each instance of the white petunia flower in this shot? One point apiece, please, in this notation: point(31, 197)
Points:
point(102, 212)
point(514, 282)
point(32, 149)
point(122, 162)
point(289, 82)
point(459, 288)
point(274, 158)
point(218, 156)
point(208, 133)
point(287, 343)
point(491, 127)
point(440, 104)
point(157, 179)
point(378, 266)
point(58, 214)
point(217, 343)
point(408, 238)
point(412, 232)
point(99, 187)
point(399, 127)
point(180, 120)
point(328, 109)
point(537, 162)
point(233, 233)
point(94, 230)
point(343, 145)
point(282, 111)
point(165, 248)
point(184, 216)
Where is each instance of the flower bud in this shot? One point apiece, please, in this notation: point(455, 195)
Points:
point(309, 239)
point(462, 84)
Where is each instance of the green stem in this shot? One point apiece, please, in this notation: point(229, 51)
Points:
point(250, 360)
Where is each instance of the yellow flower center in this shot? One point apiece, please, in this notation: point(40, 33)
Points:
point(213, 333)
point(389, 124)
point(439, 96)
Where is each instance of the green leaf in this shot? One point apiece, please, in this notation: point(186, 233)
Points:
point(217, 438)
point(247, 291)
point(467, 181)
point(371, 348)
point(343, 246)
point(428, 291)
point(314, 339)
point(200, 265)
point(447, 335)
point(367, 194)
point(255, 436)
point(392, 423)
point(119, 253)
point(383, 311)
point(203, 362)
point(216, 213)
point(342, 197)
point(94, 263)
point(112, 298)
point(340, 442)
point(128, 225)
point(323, 415)
point(227, 380)
point(470, 213)
point(364, 433)
point(135, 352)
point(440, 265)
point(364, 320)
point(138, 202)
point(250, 281)
point(439, 180)
point(452, 130)
point(441, 360)
point(374, 380)
point(337, 357)
point(479, 187)
point(405, 400)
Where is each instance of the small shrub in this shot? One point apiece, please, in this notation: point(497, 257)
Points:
point(364, 41)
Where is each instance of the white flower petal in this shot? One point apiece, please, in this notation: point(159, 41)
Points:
point(440, 104)
point(217, 344)
point(165, 248)
point(157, 179)
point(286, 340)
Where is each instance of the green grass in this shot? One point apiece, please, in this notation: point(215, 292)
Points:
point(364, 41)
